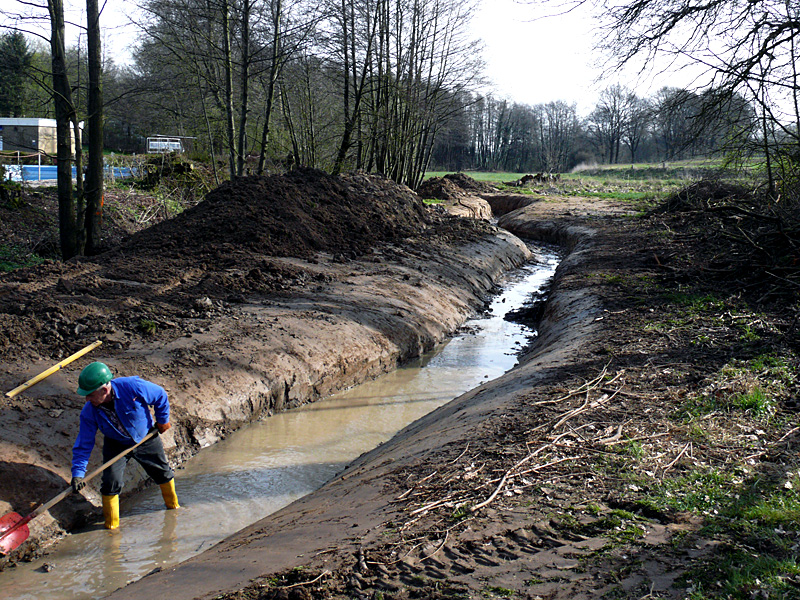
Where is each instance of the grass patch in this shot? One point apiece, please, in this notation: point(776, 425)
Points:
point(759, 521)
point(755, 402)
point(618, 526)
point(755, 386)
point(614, 195)
point(147, 327)
point(699, 492)
point(695, 302)
point(498, 592)
point(487, 176)
point(16, 257)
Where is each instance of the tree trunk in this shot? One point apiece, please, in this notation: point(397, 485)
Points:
point(94, 163)
point(351, 114)
point(72, 238)
point(245, 77)
point(273, 77)
point(228, 67)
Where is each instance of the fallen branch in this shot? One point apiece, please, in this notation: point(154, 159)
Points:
point(585, 387)
point(294, 585)
point(444, 541)
point(510, 472)
point(456, 459)
point(677, 458)
point(787, 434)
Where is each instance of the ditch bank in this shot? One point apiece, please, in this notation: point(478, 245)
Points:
point(338, 537)
point(598, 468)
point(240, 307)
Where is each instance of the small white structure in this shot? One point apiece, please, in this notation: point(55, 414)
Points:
point(28, 135)
point(156, 145)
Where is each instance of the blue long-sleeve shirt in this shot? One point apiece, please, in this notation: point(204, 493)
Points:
point(133, 397)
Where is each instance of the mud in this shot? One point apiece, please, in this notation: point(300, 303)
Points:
point(330, 528)
point(271, 293)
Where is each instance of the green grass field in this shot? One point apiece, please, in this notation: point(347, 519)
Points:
point(639, 183)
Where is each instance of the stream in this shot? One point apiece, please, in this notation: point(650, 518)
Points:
point(267, 465)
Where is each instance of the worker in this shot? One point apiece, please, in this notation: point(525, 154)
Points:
point(119, 408)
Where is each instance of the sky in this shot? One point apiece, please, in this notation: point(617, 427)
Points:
point(531, 58)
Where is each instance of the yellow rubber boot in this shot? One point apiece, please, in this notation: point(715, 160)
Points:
point(168, 492)
point(111, 511)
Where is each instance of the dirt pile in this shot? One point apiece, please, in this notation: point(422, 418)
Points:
point(453, 186)
point(459, 195)
point(214, 253)
point(299, 214)
point(441, 189)
point(467, 183)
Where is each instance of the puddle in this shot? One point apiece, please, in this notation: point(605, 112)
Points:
point(266, 466)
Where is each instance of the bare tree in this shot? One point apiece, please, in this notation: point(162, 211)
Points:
point(606, 121)
point(636, 123)
point(746, 46)
point(559, 130)
point(94, 172)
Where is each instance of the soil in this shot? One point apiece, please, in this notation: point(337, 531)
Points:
point(239, 306)
point(459, 195)
point(540, 484)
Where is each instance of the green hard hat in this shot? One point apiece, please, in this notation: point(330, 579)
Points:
point(92, 377)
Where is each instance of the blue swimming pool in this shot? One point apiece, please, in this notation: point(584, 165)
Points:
point(22, 173)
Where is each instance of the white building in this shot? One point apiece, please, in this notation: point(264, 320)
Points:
point(29, 135)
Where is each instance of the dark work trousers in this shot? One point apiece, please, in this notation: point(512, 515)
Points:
point(150, 455)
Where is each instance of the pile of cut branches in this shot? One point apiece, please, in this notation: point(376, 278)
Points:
point(757, 238)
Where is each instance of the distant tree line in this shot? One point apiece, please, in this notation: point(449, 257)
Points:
point(498, 135)
point(294, 102)
point(336, 84)
point(386, 86)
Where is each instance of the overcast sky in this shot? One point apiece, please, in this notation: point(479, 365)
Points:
point(531, 58)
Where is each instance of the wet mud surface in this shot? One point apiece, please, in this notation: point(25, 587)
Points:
point(539, 484)
point(271, 293)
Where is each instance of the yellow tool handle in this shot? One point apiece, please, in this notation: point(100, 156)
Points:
point(51, 370)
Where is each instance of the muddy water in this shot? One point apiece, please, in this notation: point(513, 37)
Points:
point(262, 468)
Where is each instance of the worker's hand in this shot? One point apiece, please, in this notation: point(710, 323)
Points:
point(77, 484)
point(162, 427)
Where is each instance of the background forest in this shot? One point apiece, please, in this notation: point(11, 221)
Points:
point(384, 86)
point(390, 86)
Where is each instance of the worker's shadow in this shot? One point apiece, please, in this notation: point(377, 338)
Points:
point(25, 487)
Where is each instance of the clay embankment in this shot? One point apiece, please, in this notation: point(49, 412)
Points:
point(330, 529)
point(459, 195)
point(237, 312)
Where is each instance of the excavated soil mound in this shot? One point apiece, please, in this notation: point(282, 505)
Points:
point(453, 186)
point(441, 189)
point(467, 183)
point(214, 253)
point(299, 214)
point(459, 194)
